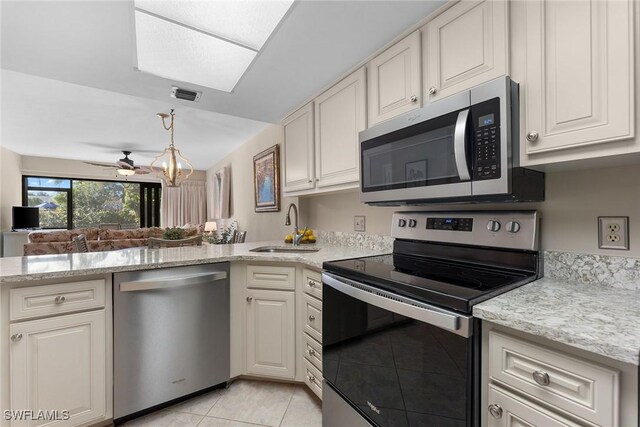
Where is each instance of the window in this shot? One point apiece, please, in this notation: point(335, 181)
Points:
point(75, 203)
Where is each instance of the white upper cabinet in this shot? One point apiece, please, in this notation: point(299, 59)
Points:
point(394, 80)
point(298, 150)
point(463, 47)
point(578, 74)
point(340, 114)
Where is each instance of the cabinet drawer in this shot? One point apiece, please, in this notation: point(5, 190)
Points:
point(313, 351)
point(312, 282)
point(34, 301)
point(271, 277)
point(313, 378)
point(313, 317)
point(515, 411)
point(579, 387)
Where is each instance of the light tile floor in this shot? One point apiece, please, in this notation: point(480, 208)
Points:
point(245, 403)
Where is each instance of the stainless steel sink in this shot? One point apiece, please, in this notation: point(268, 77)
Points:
point(284, 249)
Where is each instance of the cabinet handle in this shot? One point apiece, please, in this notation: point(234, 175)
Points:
point(495, 411)
point(532, 136)
point(311, 378)
point(16, 337)
point(310, 180)
point(432, 90)
point(311, 283)
point(312, 318)
point(249, 299)
point(541, 377)
point(317, 179)
point(311, 352)
point(413, 98)
point(59, 299)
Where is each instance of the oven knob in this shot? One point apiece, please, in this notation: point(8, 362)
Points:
point(413, 223)
point(402, 222)
point(493, 225)
point(513, 226)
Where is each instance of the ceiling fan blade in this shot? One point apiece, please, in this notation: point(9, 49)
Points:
point(104, 165)
point(124, 165)
point(142, 171)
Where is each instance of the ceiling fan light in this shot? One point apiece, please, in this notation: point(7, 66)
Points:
point(126, 172)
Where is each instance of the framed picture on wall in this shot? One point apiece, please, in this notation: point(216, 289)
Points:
point(266, 180)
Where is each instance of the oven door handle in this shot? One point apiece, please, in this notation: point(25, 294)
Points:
point(407, 307)
point(460, 146)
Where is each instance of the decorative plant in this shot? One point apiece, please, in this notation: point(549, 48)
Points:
point(174, 233)
point(223, 236)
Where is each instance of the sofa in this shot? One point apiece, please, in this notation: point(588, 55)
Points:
point(61, 242)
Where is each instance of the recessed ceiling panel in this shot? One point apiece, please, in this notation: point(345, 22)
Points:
point(175, 52)
point(246, 22)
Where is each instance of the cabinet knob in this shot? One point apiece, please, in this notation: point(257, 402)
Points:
point(432, 90)
point(311, 283)
point(312, 378)
point(495, 411)
point(59, 299)
point(311, 352)
point(413, 98)
point(312, 318)
point(532, 136)
point(16, 337)
point(541, 377)
point(249, 299)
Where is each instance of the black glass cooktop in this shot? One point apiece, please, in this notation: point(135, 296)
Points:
point(454, 285)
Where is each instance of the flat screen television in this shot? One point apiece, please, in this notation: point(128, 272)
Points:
point(25, 217)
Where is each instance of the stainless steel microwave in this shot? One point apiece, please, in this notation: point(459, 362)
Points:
point(463, 148)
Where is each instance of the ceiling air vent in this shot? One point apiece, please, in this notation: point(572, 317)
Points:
point(187, 95)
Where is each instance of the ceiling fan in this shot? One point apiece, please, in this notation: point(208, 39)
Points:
point(124, 166)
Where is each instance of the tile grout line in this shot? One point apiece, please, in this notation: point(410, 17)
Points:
point(288, 404)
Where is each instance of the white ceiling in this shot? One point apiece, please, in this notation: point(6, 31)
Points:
point(54, 48)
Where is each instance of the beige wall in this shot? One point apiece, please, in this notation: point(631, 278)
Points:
point(573, 202)
point(259, 226)
point(10, 186)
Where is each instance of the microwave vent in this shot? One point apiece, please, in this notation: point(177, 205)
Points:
point(187, 95)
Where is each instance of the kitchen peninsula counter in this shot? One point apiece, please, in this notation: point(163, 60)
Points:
point(20, 269)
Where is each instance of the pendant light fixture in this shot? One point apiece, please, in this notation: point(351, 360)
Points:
point(171, 171)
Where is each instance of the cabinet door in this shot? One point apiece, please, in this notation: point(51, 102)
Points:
point(271, 333)
point(298, 150)
point(579, 73)
point(60, 364)
point(340, 114)
point(508, 410)
point(394, 80)
point(463, 47)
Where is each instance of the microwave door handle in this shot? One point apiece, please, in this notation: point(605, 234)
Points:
point(460, 146)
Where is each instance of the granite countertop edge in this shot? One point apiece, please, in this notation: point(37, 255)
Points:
point(17, 269)
point(591, 317)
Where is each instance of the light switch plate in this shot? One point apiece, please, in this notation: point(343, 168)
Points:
point(359, 223)
point(613, 232)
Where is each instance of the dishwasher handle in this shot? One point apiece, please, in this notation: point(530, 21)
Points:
point(173, 282)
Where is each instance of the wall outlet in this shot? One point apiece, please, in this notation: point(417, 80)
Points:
point(359, 223)
point(613, 232)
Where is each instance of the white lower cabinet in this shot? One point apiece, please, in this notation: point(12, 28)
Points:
point(59, 364)
point(509, 410)
point(270, 333)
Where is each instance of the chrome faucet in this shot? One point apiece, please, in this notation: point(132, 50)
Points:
point(297, 237)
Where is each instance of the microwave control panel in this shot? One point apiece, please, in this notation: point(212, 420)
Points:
point(486, 140)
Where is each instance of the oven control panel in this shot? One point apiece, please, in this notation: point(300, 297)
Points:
point(502, 229)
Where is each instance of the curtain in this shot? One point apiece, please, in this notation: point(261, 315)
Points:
point(185, 204)
point(220, 181)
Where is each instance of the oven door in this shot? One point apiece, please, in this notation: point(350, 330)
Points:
point(395, 361)
point(421, 155)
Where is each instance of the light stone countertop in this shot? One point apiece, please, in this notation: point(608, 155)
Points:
point(600, 319)
point(19, 269)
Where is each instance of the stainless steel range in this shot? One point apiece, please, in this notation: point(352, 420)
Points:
point(400, 346)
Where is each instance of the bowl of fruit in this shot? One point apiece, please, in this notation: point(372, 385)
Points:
point(308, 238)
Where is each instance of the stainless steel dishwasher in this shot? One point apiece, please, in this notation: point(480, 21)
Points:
point(171, 334)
